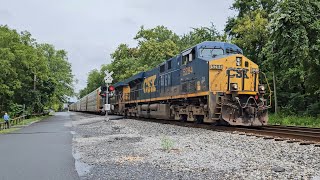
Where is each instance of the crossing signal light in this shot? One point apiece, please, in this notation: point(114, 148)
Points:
point(103, 88)
point(111, 88)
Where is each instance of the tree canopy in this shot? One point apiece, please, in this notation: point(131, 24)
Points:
point(293, 53)
point(32, 74)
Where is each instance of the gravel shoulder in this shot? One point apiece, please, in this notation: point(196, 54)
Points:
point(132, 149)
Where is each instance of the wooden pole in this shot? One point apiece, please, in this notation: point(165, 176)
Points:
point(275, 94)
point(34, 82)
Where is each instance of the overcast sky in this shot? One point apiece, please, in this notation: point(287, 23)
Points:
point(90, 30)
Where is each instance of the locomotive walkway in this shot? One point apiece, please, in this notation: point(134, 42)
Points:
point(41, 151)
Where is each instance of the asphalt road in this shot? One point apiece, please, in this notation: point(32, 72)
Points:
point(41, 151)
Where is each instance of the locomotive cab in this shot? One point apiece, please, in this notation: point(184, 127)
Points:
point(235, 95)
point(234, 81)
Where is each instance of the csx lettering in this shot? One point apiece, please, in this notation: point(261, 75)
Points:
point(237, 73)
point(149, 84)
point(186, 71)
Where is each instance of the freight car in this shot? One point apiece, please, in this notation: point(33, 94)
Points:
point(93, 102)
point(211, 82)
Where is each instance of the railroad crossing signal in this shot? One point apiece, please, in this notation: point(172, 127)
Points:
point(108, 78)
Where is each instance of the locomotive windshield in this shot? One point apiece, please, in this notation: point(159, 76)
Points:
point(210, 52)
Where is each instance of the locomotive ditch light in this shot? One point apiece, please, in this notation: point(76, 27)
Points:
point(261, 89)
point(238, 61)
point(234, 86)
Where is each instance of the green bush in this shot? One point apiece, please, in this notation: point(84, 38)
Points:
point(15, 110)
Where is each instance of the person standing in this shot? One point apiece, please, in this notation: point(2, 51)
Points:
point(6, 118)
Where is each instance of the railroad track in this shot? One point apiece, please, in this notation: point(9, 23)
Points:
point(290, 133)
point(303, 135)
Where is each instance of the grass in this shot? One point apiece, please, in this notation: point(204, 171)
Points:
point(293, 120)
point(24, 122)
point(51, 113)
point(32, 120)
point(167, 144)
point(5, 131)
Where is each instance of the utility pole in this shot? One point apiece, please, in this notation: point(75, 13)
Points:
point(275, 94)
point(34, 81)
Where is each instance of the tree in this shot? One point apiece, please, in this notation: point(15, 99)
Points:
point(249, 28)
point(159, 34)
point(198, 35)
point(59, 84)
point(156, 45)
point(251, 35)
point(245, 7)
point(33, 74)
point(293, 52)
point(125, 62)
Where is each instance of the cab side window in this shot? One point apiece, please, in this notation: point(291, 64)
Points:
point(188, 56)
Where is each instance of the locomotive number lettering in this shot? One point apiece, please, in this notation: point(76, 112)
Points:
point(187, 71)
point(237, 73)
point(149, 84)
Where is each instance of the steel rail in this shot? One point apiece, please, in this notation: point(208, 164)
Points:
point(280, 132)
point(293, 128)
point(311, 135)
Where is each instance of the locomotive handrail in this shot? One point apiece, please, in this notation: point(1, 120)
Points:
point(270, 94)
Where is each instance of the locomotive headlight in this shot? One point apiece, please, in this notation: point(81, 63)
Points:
point(238, 61)
point(234, 86)
point(254, 70)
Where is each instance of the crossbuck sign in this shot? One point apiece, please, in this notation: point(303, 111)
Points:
point(108, 78)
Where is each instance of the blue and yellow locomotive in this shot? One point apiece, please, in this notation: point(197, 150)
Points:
point(211, 82)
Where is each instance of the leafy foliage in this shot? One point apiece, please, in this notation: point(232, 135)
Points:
point(249, 29)
point(155, 45)
point(251, 35)
point(198, 35)
point(33, 74)
point(293, 52)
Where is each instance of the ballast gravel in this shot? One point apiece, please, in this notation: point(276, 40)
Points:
point(135, 149)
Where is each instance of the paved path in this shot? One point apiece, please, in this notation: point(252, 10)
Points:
point(41, 151)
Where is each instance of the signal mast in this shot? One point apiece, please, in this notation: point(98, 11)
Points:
point(108, 80)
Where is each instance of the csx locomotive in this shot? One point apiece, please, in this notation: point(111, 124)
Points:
point(211, 82)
